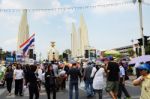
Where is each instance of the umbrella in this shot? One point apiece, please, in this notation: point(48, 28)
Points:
point(144, 58)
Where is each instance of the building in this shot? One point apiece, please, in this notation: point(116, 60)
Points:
point(135, 47)
point(124, 50)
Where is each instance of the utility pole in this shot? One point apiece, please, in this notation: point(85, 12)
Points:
point(141, 26)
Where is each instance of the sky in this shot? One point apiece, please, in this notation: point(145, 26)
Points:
point(108, 27)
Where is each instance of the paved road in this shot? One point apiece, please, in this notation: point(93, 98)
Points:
point(63, 94)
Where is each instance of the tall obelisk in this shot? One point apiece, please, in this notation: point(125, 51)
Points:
point(74, 42)
point(23, 33)
point(84, 41)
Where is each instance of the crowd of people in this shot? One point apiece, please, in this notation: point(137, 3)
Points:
point(99, 76)
point(51, 75)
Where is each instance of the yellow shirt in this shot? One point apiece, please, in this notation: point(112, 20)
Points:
point(145, 88)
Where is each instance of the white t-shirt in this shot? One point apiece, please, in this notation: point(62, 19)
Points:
point(122, 71)
point(40, 74)
point(93, 72)
point(18, 73)
point(99, 81)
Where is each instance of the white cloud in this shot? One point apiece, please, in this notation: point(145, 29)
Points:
point(55, 3)
point(10, 44)
point(10, 41)
point(36, 4)
point(10, 20)
point(10, 4)
point(39, 15)
point(83, 1)
point(69, 20)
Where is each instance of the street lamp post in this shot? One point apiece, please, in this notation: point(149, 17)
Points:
point(141, 26)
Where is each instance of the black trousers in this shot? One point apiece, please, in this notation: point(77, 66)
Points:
point(18, 86)
point(33, 90)
point(63, 84)
point(48, 91)
point(123, 89)
point(99, 92)
point(9, 84)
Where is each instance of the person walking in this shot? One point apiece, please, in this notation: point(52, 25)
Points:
point(144, 81)
point(39, 75)
point(112, 70)
point(18, 76)
point(50, 82)
point(122, 87)
point(88, 80)
point(32, 82)
point(9, 79)
point(74, 74)
point(99, 81)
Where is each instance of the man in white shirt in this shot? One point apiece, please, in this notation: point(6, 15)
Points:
point(122, 87)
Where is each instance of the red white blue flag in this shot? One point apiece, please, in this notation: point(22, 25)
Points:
point(27, 44)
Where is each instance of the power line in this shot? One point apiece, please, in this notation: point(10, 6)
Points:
point(70, 8)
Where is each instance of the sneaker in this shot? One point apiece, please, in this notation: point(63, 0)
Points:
point(21, 94)
point(9, 94)
point(16, 94)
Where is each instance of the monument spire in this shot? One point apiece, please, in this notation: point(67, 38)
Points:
point(84, 41)
point(23, 33)
point(74, 41)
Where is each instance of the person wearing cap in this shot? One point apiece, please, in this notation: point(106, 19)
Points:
point(112, 71)
point(99, 79)
point(144, 81)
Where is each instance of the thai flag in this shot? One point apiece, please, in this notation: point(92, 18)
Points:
point(27, 44)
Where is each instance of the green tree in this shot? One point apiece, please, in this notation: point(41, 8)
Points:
point(147, 50)
point(67, 51)
point(60, 57)
point(131, 52)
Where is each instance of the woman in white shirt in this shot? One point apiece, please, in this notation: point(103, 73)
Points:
point(18, 77)
point(99, 80)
